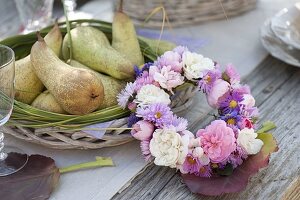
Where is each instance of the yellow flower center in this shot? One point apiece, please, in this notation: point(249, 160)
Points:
point(233, 104)
point(231, 121)
point(214, 165)
point(202, 170)
point(158, 115)
point(191, 160)
point(208, 79)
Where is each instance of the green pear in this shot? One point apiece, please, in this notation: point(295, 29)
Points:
point(112, 87)
point(46, 101)
point(158, 46)
point(124, 38)
point(91, 48)
point(28, 85)
point(78, 91)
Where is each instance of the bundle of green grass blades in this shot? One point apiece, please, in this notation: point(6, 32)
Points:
point(27, 116)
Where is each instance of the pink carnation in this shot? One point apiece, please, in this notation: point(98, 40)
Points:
point(217, 141)
point(167, 78)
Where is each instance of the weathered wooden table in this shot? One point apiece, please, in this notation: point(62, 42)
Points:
point(276, 88)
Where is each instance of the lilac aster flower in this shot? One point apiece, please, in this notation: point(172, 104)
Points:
point(125, 94)
point(172, 59)
point(132, 119)
point(143, 79)
point(208, 80)
point(237, 157)
point(230, 102)
point(158, 113)
point(232, 119)
point(231, 75)
point(145, 148)
point(191, 164)
point(204, 171)
point(179, 123)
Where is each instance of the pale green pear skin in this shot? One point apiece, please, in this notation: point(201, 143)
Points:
point(125, 40)
point(158, 46)
point(46, 101)
point(91, 48)
point(77, 91)
point(112, 87)
point(27, 85)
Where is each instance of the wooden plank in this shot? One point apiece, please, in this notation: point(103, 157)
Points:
point(293, 191)
point(275, 86)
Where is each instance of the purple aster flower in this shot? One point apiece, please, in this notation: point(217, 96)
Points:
point(231, 75)
point(125, 94)
point(237, 157)
point(230, 102)
point(172, 59)
point(191, 164)
point(145, 148)
point(208, 80)
point(138, 71)
point(232, 119)
point(158, 113)
point(179, 123)
point(143, 79)
point(242, 89)
point(132, 119)
point(204, 171)
point(180, 50)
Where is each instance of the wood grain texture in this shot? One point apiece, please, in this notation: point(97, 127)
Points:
point(276, 87)
point(293, 191)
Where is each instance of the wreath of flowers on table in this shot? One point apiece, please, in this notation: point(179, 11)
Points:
point(220, 147)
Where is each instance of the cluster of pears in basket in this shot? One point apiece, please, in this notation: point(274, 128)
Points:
point(82, 72)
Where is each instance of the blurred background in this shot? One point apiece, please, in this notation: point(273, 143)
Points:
point(226, 30)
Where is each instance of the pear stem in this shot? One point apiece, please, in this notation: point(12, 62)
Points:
point(40, 38)
point(121, 6)
point(70, 45)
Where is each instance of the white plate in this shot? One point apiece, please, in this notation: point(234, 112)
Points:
point(277, 47)
point(286, 25)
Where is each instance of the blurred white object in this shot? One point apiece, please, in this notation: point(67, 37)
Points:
point(277, 47)
point(74, 14)
point(286, 25)
point(34, 14)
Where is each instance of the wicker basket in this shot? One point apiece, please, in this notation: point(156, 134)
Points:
point(183, 12)
point(55, 138)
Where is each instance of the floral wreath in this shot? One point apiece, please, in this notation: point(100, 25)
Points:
point(213, 152)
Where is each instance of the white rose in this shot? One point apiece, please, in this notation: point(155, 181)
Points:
point(195, 64)
point(248, 101)
point(168, 147)
point(247, 140)
point(150, 94)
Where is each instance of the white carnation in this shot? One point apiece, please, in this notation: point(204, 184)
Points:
point(150, 94)
point(247, 140)
point(168, 147)
point(248, 100)
point(195, 64)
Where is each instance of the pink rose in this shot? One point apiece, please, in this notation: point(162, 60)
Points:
point(217, 141)
point(219, 88)
point(142, 130)
point(246, 123)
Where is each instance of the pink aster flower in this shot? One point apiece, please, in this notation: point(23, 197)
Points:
point(124, 96)
point(171, 59)
point(231, 75)
point(208, 80)
point(217, 141)
point(145, 148)
point(204, 171)
point(180, 50)
point(191, 165)
point(179, 123)
point(168, 79)
point(144, 79)
point(142, 130)
point(237, 157)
